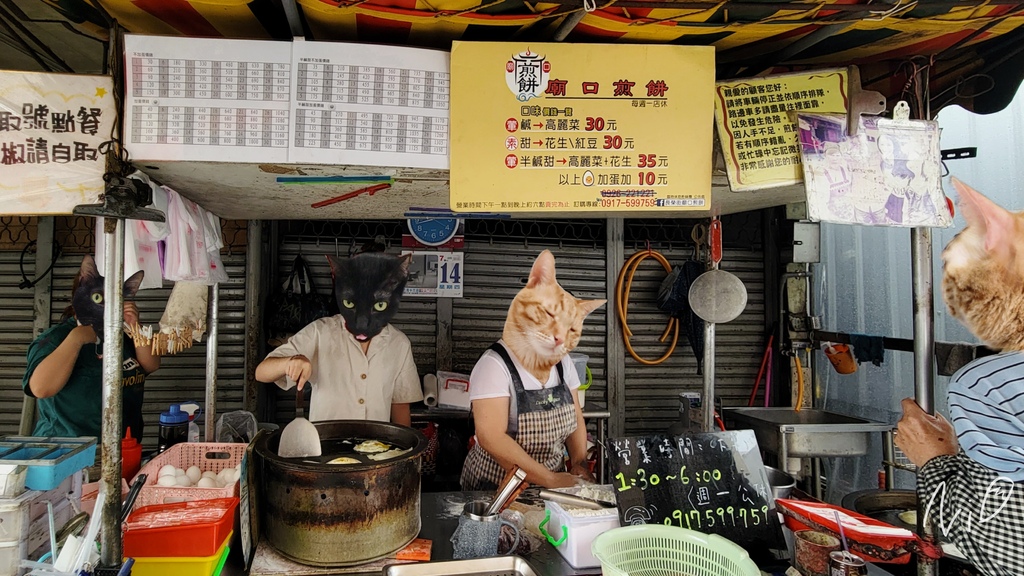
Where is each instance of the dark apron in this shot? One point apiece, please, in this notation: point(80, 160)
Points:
point(545, 418)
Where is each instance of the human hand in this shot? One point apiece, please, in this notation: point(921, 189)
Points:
point(559, 480)
point(131, 313)
point(298, 368)
point(582, 470)
point(83, 334)
point(922, 436)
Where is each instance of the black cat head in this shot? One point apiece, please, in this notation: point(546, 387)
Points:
point(368, 288)
point(88, 299)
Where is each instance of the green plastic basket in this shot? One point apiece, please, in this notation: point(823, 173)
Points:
point(658, 550)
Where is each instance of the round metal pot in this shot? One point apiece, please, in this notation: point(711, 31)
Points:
point(782, 483)
point(341, 515)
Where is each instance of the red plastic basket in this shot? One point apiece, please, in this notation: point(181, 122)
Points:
point(183, 529)
point(212, 456)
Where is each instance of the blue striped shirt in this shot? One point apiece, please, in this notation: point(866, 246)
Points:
point(986, 405)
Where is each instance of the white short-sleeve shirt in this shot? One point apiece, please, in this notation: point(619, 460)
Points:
point(350, 385)
point(491, 379)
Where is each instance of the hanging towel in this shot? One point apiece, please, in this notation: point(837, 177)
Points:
point(868, 349)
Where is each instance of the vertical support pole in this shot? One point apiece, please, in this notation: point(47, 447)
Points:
point(924, 352)
point(211, 364)
point(615, 360)
point(113, 337)
point(708, 395)
point(41, 308)
point(889, 456)
point(443, 351)
point(253, 312)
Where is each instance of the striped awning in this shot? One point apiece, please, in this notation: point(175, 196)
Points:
point(973, 49)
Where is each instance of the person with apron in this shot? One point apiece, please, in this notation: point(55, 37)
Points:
point(544, 418)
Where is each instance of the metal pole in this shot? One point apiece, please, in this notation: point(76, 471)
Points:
point(568, 24)
point(253, 312)
point(924, 352)
point(615, 350)
point(211, 364)
point(41, 308)
point(708, 399)
point(113, 336)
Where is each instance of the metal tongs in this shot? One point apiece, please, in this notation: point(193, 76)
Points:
point(512, 485)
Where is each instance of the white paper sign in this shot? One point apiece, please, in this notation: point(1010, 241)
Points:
point(435, 274)
point(301, 102)
point(51, 128)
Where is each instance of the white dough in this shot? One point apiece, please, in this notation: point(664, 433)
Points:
point(166, 470)
point(194, 474)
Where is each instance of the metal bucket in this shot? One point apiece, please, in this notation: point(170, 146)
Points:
point(782, 483)
point(341, 515)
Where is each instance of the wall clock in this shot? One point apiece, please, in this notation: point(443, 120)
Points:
point(433, 231)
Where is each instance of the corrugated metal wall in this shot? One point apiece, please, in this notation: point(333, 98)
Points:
point(652, 392)
point(15, 336)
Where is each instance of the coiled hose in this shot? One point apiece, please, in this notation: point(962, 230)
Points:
point(622, 288)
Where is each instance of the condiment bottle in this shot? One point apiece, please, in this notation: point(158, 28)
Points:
point(173, 427)
point(131, 455)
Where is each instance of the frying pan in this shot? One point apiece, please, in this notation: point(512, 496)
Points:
point(717, 296)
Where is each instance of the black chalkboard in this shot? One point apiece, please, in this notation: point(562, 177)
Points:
point(713, 483)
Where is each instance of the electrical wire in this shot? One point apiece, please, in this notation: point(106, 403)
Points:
point(622, 289)
point(25, 282)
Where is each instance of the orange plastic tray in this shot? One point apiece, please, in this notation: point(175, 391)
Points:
point(183, 529)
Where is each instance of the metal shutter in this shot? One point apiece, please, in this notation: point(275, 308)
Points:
point(497, 263)
point(416, 317)
point(15, 336)
point(652, 392)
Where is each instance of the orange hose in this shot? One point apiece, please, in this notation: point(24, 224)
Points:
point(622, 289)
point(799, 383)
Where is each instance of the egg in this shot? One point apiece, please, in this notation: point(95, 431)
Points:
point(209, 474)
point(371, 447)
point(207, 482)
point(166, 470)
point(183, 481)
point(167, 481)
point(179, 472)
point(194, 473)
point(344, 460)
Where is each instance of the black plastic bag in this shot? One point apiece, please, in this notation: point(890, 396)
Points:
point(297, 304)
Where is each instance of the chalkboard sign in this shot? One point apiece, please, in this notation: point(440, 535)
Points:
point(713, 483)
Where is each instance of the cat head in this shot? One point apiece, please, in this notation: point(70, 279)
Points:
point(544, 321)
point(368, 288)
point(983, 271)
point(87, 300)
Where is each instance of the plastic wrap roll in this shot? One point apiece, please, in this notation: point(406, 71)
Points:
point(430, 390)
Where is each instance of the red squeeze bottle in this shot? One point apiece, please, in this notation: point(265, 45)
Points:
point(131, 456)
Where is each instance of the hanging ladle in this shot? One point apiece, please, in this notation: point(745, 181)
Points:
point(717, 296)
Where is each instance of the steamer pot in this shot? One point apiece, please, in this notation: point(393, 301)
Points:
point(341, 515)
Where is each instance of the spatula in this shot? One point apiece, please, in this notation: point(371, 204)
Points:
point(300, 438)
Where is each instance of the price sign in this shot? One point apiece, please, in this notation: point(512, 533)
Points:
point(580, 127)
point(713, 483)
point(437, 274)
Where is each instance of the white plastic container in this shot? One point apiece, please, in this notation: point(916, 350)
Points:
point(15, 519)
point(579, 532)
point(12, 480)
point(11, 555)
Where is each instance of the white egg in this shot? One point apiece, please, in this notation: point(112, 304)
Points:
point(207, 483)
point(179, 472)
point(166, 470)
point(236, 475)
point(183, 481)
point(167, 481)
point(209, 474)
point(194, 473)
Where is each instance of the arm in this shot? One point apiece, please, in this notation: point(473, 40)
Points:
point(52, 373)
point(401, 415)
point(576, 444)
point(491, 418)
point(297, 368)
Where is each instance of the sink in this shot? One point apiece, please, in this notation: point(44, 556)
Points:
point(497, 566)
point(809, 433)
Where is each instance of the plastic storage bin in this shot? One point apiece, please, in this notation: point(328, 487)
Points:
point(183, 529)
point(15, 518)
point(12, 480)
point(183, 566)
point(11, 555)
point(211, 456)
point(573, 535)
point(49, 460)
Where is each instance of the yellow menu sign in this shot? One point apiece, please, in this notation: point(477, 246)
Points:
point(580, 127)
point(759, 138)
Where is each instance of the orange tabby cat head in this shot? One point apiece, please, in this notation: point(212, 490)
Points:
point(544, 321)
point(983, 271)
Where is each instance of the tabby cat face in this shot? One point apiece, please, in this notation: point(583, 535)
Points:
point(368, 288)
point(88, 299)
point(983, 271)
point(545, 322)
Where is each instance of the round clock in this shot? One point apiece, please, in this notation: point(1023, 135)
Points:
point(433, 231)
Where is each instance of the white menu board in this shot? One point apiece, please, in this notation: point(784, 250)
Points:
point(299, 102)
